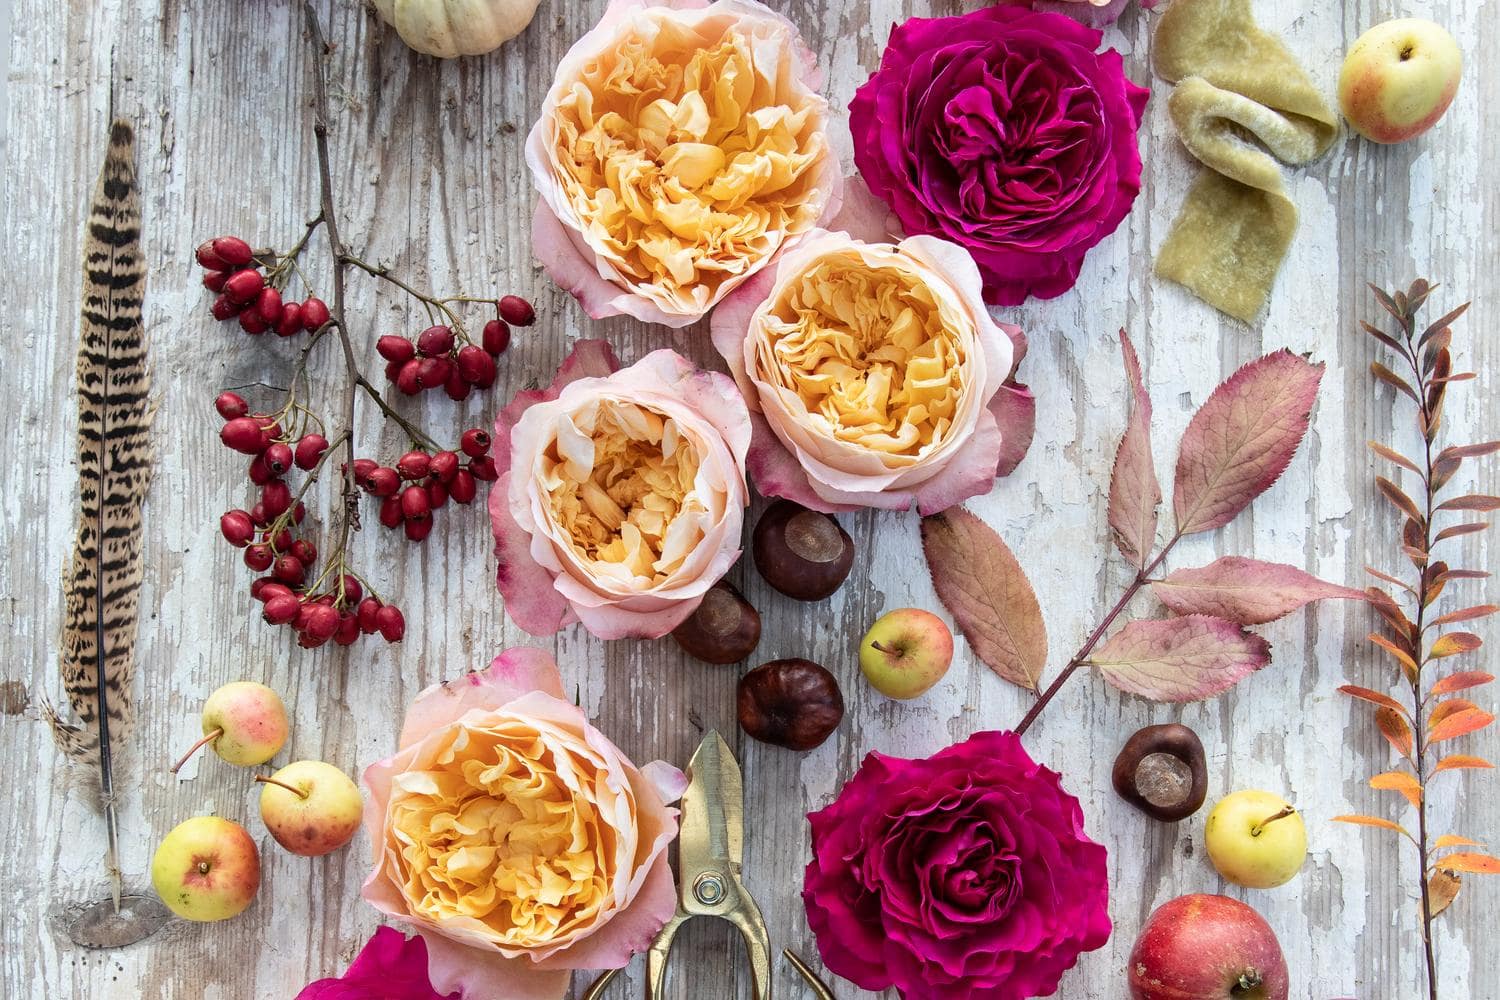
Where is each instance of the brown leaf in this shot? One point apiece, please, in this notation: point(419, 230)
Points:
point(1473, 862)
point(1462, 762)
point(1399, 781)
point(1442, 890)
point(1242, 439)
point(1441, 324)
point(1383, 337)
point(1247, 591)
point(1394, 728)
point(1390, 378)
point(1459, 724)
point(1453, 840)
point(1374, 697)
point(1404, 503)
point(1443, 469)
point(1376, 821)
point(1464, 615)
point(1392, 455)
point(982, 585)
point(1469, 450)
point(1134, 490)
point(1464, 574)
point(1462, 681)
point(1454, 643)
point(1460, 529)
point(1474, 501)
point(1180, 659)
point(1394, 580)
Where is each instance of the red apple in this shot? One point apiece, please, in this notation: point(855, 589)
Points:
point(1202, 947)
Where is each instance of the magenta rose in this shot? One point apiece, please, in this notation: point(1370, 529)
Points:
point(1005, 132)
point(963, 876)
point(391, 966)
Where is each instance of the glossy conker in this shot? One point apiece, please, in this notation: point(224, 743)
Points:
point(790, 703)
point(724, 629)
point(803, 553)
point(1162, 771)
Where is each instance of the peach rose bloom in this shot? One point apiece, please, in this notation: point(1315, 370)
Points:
point(876, 376)
point(515, 838)
point(682, 146)
point(621, 494)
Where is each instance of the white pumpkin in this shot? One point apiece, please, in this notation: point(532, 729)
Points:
point(449, 28)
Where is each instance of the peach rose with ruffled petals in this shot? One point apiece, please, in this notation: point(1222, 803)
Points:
point(516, 839)
point(875, 376)
point(621, 494)
point(682, 146)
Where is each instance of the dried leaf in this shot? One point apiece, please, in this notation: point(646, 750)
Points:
point(1477, 864)
point(1474, 501)
point(1454, 643)
point(1394, 728)
point(982, 585)
point(1462, 681)
point(1394, 580)
point(1242, 439)
point(1374, 697)
point(1464, 615)
point(1392, 455)
point(1464, 574)
point(1469, 450)
point(1399, 781)
point(1441, 324)
point(1383, 824)
point(1460, 529)
point(1443, 469)
point(1383, 337)
point(1246, 591)
point(1404, 503)
point(1453, 840)
point(1134, 490)
point(1390, 378)
point(1389, 304)
point(1462, 762)
point(1442, 890)
point(1459, 724)
point(1181, 659)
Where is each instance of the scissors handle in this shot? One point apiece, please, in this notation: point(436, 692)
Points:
point(746, 917)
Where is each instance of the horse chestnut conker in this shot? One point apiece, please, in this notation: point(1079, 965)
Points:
point(803, 553)
point(790, 703)
point(1162, 771)
point(724, 628)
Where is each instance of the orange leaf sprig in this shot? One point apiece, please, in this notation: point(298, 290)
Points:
point(1417, 637)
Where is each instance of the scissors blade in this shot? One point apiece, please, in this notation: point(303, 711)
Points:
point(713, 809)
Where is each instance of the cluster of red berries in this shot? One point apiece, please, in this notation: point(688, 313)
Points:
point(233, 272)
point(266, 532)
point(436, 359)
point(431, 480)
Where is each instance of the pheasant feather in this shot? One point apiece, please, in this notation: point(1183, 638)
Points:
point(101, 588)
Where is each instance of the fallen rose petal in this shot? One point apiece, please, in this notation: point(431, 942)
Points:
point(479, 975)
point(1014, 410)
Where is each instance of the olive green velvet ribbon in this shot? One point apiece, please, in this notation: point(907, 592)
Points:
point(1242, 103)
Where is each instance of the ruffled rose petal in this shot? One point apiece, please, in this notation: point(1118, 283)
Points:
point(489, 975)
point(576, 272)
point(513, 673)
point(1014, 410)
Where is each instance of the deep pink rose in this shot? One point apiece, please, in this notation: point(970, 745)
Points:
point(963, 876)
point(391, 966)
point(1006, 132)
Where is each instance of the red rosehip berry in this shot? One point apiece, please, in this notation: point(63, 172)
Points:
point(242, 287)
point(432, 372)
point(437, 494)
point(268, 304)
point(435, 341)
point(476, 367)
point(463, 488)
point(314, 314)
point(417, 530)
point(414, 505)
point(484, 469)
point(309, 450)
point(353, 591)
point(258, 557)
point(409, 379)
point(279, 542)
point(289, 570)
point(305, 551)
point(383, 482)
point(231, 405)
point(214, 280)
point(516, 311)
point(260, 475)
point(244, 435)
point(390, 512)
point(232, 250)
point(457, 389)
point(269, 588)
point(209, 259)
point(299, 512)
point(475, 442)
point(278, 458)
point(414, 465)
point(368, 608)
point(258, 514)
point(307, 640)
point(362, 469)
point(395, 349)
point(253, 323)
point(289, 323)
point(224, 308)
point(321, 623)
point(443, 466)
point(393, 370)
point(391, 622)
point(276, 497)
point(496, 337)
point(237, 527)
point(282, 610)
point(348, 630)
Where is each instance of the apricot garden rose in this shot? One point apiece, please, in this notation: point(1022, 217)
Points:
point(1005, 131)
point(621, 493)
point(682, 145)
point(875, 376)
point(515, 838)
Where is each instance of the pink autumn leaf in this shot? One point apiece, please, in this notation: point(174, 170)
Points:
point(1242, 439)
point(1134, 491)
point(1246, 591)
point(1181, 659)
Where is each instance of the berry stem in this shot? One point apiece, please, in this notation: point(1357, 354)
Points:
point(207, 739)
point(433, 304)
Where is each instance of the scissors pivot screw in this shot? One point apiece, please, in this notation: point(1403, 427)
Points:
point(709, 889)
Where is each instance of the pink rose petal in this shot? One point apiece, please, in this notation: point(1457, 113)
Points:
point(513, 673)
point(489, 975)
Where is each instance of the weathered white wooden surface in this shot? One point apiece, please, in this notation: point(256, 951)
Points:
point(430, 177)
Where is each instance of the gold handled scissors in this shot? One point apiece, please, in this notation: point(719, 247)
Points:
point(710, 850)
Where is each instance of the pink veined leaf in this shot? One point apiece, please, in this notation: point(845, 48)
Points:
point(1181, 659)
point(1134, 491)
point(1242, 439)
point(1246, 591)
point(980, 582)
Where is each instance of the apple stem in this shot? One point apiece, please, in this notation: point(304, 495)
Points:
point(1249, 979)
point(1255, 830)
point(207, 739)
point(883, 649)
point(281, 784)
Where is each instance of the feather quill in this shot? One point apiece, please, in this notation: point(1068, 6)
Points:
point(101, 587)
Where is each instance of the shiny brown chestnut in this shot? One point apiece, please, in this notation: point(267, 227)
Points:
point(803, 553)
point(724, 629)
point(1162, 771)
point(790, 703)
